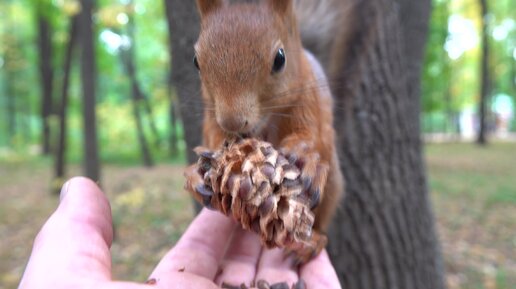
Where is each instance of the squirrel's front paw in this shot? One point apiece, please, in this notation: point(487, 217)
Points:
point(195, 185)
point(313, 172)
point(305, 252)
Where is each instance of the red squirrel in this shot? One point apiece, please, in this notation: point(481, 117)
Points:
point(258, 81)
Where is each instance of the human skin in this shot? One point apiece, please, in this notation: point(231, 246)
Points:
point(72, 251)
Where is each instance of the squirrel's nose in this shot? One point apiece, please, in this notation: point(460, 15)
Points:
point(233, 124)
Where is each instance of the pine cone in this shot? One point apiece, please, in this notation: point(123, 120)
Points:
point(259, 187)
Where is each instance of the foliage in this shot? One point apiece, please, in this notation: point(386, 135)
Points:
point(19, 60)
point(451, 74)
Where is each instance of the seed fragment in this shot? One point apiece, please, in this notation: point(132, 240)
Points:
point(282, 285)
point(151, 281)
point(229, 286)
point(262, 284)
point(301, 284)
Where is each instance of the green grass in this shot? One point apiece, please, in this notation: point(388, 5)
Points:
point(474, 173)
point(473, 191)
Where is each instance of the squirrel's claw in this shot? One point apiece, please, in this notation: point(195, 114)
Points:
point(305, 252)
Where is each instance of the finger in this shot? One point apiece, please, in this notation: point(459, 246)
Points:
point(275, 268)
point(239, 265)
point(319, 273)
point(75, 241)
point(201, 248)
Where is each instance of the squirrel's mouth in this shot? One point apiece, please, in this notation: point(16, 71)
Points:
point(257, 130)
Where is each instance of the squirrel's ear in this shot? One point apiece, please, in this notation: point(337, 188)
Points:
point(207, 6)
point(282, 7)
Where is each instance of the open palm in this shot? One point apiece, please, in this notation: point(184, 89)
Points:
point(72, 251)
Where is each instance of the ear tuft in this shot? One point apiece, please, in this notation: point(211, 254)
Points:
point(207, 6)
point(282, 7)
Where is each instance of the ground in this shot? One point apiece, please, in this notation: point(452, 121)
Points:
point(473, 191)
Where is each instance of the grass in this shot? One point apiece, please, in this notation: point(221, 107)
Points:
point(474, 197)
point(473, 192)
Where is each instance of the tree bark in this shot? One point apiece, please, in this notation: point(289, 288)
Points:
point(88, 79)
point(173, 135)
point(63, 105)
point(385, 236)
point(150, 115)
point(143, 97)
point(47, 76)
point(183, 24)
point(485, 88)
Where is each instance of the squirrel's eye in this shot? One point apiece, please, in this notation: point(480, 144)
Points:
point(279, 61)
point(195, 62)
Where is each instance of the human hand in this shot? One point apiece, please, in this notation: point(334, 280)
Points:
point(72, 251)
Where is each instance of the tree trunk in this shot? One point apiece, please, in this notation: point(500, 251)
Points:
point(150, 115)
point(385, 236)
point(485, 88)
point(137, 101)
point(127, 55)
point(142, 97)
point(47, 76)
point(88, 79)
point(63, 105)
point(174, 150)
point(183, 24)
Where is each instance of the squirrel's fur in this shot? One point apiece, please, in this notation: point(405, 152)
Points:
point(291, 108)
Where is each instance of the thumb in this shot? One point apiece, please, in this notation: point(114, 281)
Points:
point(74, 243)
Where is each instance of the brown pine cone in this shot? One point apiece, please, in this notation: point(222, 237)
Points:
point(260, 187)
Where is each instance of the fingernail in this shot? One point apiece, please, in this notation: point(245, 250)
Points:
point(64, 191)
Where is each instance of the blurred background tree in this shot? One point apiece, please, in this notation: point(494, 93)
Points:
point(135, 103)
point(41, 50)
point(453, 71)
